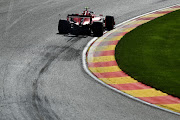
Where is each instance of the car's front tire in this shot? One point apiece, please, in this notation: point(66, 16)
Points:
point(109, 22)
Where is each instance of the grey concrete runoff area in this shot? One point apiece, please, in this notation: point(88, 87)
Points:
point(41, 74)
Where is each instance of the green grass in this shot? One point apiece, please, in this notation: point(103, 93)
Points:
point(151, 53)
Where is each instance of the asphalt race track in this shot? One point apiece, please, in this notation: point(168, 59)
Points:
point(41, 74)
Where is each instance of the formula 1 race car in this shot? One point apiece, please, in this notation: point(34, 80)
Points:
point(86, 23)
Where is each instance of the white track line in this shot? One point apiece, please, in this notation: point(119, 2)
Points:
point(94, 77)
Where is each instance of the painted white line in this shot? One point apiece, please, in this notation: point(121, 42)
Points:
point(84, 61)
point(145, 14)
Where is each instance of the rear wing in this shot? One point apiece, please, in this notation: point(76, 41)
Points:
point(79, 16)
point(76, 15)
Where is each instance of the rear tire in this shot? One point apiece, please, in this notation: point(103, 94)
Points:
point(97, 28)
point(64, 27)
point(109, 21)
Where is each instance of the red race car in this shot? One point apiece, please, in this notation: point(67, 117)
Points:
point(86, 23)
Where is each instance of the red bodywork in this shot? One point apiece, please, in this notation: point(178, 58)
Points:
point(84, 19)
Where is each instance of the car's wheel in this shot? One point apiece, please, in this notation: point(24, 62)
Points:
point(109, 22)
point(64, 27)
point(97, 28)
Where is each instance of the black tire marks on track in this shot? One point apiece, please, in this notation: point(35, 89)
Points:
point(39, 107)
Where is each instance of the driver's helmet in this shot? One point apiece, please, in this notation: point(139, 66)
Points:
point(86, 12)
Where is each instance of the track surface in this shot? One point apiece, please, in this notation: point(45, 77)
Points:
point(41, 75)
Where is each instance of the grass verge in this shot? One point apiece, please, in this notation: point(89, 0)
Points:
point(151, 53)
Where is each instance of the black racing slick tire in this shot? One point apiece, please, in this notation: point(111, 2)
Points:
point(97, 29)
point(109, 22)
point(64, 27)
